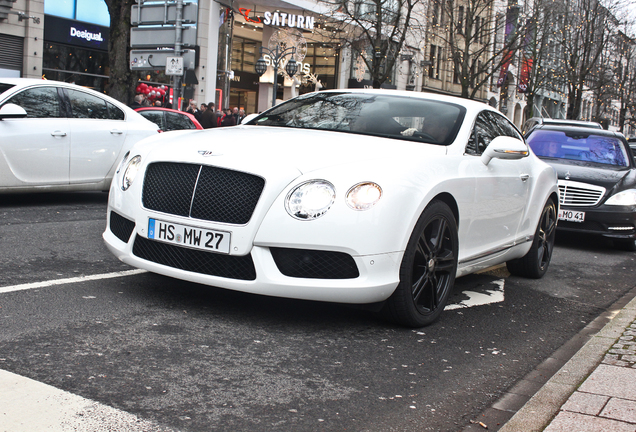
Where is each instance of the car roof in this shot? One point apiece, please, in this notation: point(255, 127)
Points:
point(564, 122)
point(151, 108)
point(26, 82)
point(583, 130)
point(474, 104)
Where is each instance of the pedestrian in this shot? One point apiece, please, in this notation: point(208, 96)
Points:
point(228, 118)
point(241, 116)
point(137, 102)
point(235, 114)
point(208, 118)
point(192, 109)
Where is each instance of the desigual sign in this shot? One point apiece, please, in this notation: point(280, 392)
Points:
point(85, 34)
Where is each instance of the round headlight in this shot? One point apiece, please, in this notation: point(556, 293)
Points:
point(123, 162)
point(363, 196)
point(625, 198)
point(130, 173)
point(310, 200)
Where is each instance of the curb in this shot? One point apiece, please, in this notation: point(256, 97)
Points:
point(532, 403)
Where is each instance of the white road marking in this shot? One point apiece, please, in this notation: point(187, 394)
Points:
point(27, 406)
point(69, 280)
point(478, 299)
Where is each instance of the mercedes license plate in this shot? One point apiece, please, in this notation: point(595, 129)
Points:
point(571, 216)
point(188, 236)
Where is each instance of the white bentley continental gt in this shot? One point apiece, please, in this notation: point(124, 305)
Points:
point(367, 197)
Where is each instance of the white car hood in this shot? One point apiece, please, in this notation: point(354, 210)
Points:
point(270, 150)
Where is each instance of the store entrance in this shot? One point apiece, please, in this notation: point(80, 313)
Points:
point(243, 99)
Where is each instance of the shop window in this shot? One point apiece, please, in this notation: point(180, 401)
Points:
point(245, 53)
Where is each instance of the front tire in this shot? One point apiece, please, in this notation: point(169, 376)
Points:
point(626, 245)
point(535, 263)
point(428, 269)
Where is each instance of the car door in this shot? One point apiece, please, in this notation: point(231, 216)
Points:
point(98, 131)
point(501, 188)
point(36, 148)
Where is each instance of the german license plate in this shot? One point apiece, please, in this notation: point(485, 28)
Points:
point(571, 216)
point(188, 236)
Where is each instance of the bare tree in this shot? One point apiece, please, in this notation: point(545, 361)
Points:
point(121, 82)
point(477, 40)
point(539, 57)
point(626, 80)
point(378, 30)
point(585, 27)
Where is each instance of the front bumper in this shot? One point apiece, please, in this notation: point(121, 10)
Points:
point(291, 272)
point(617, 222)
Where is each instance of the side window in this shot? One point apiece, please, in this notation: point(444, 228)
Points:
point(84, 105)
point(504, 127)
point(488, 126)
point(178, 121)
point(115, 113)
point(39, 102)
point(155, 117)
point(482, 134)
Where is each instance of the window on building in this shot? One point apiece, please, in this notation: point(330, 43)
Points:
point(433, 69)
point(90, 11)
point(245, 53)
point(460, 20)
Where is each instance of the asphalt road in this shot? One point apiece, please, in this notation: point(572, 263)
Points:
point(195, 358)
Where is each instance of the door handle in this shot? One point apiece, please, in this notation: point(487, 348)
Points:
point(525, 177)
point(116, 132)
point(58, 133)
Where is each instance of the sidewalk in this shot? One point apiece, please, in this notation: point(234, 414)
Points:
point(588, 385)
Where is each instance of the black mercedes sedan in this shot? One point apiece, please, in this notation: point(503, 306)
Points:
point(597, 180)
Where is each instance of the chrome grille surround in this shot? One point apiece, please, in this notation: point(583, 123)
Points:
point(576, 194)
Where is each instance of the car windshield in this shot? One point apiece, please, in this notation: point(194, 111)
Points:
point(4, 87)
point(388, 116)
point(579, 146)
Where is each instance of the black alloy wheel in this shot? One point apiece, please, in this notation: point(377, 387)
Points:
point(427, 272)
point(536, 262)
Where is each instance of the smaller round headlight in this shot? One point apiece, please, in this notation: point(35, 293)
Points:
point(363, 196)
point(310, 200)
point(130, 173)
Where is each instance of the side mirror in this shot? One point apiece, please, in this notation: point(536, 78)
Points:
point(504, 147)
point(249, 118)
point(12, 111)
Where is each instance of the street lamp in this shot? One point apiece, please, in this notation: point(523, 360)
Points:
point(277, 54)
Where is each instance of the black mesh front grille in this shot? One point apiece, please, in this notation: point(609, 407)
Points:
point(314, 264)
point(121, 227)
point(168, 187)
point(226, 196)
point(201, 192)
point(227, 266)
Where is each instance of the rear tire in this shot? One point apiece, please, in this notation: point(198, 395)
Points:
point(536, 262)
point(428, 269)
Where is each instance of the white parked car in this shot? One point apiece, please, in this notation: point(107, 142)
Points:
point(368, 197)
point(60, 137)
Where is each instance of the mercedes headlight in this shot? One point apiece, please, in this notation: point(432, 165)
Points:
point(363, 196)
point(310, 200)
point(625, 198)
point(131, 172)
